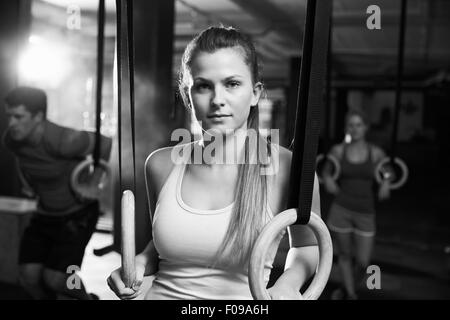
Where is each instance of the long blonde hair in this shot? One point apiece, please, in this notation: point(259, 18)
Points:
point(250, 208)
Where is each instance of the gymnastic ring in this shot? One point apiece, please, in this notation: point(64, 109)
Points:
point(89, 192)
point(334, 161)
point(257, 259)
point(403, 177)
point(128, 250)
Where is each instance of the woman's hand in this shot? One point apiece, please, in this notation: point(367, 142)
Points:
point(284, 292)
point(384, 192)
point(117, 285)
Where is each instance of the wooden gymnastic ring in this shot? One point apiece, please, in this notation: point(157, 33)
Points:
point(403, 177)
point(89, 192)
point(334, 161)
point(257, 260)
point(128, 250)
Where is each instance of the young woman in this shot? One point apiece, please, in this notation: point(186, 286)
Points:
point(206, 215)
point(352, 213)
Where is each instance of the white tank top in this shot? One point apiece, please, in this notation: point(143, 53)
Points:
point(187, 240)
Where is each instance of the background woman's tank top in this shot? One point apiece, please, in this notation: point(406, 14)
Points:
point(356, 184)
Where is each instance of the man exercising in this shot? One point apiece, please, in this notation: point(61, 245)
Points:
point(54, 242)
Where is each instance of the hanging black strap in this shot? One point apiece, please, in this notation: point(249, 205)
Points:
point(398, 86)
point(310, 100)
point(327, 139)
point(98, 91)
point(125, 99)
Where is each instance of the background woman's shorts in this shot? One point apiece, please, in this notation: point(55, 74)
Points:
point(343, 220)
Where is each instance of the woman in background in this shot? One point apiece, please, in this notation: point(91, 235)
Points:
point(352, 213)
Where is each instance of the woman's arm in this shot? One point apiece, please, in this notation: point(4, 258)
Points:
point(148, 260)
point(302, 258)
point(304, 252)
point(158, 166)
point(156, 170)
point(384, 190)
point(330, 184)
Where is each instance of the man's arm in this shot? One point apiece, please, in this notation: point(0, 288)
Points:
point(105, 145)
point(79, 144)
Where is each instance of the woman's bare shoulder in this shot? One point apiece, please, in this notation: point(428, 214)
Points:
point(337, 150)
point(160, 162)
point(377, 153)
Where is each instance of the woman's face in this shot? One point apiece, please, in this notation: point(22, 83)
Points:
point(356, 128)
point(223, 90)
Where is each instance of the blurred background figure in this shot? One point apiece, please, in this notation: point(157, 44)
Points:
point(53, 244)
point(352, 214)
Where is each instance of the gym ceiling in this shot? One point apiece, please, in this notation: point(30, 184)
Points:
point(359, 55)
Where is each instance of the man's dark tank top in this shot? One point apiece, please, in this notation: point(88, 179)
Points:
point(356, 184)
point(48, 165)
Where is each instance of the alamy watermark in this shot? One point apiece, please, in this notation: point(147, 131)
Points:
point(373, 22)
point(73, 21)
point(374, 279)
point(223, 147)
point(73, 281)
